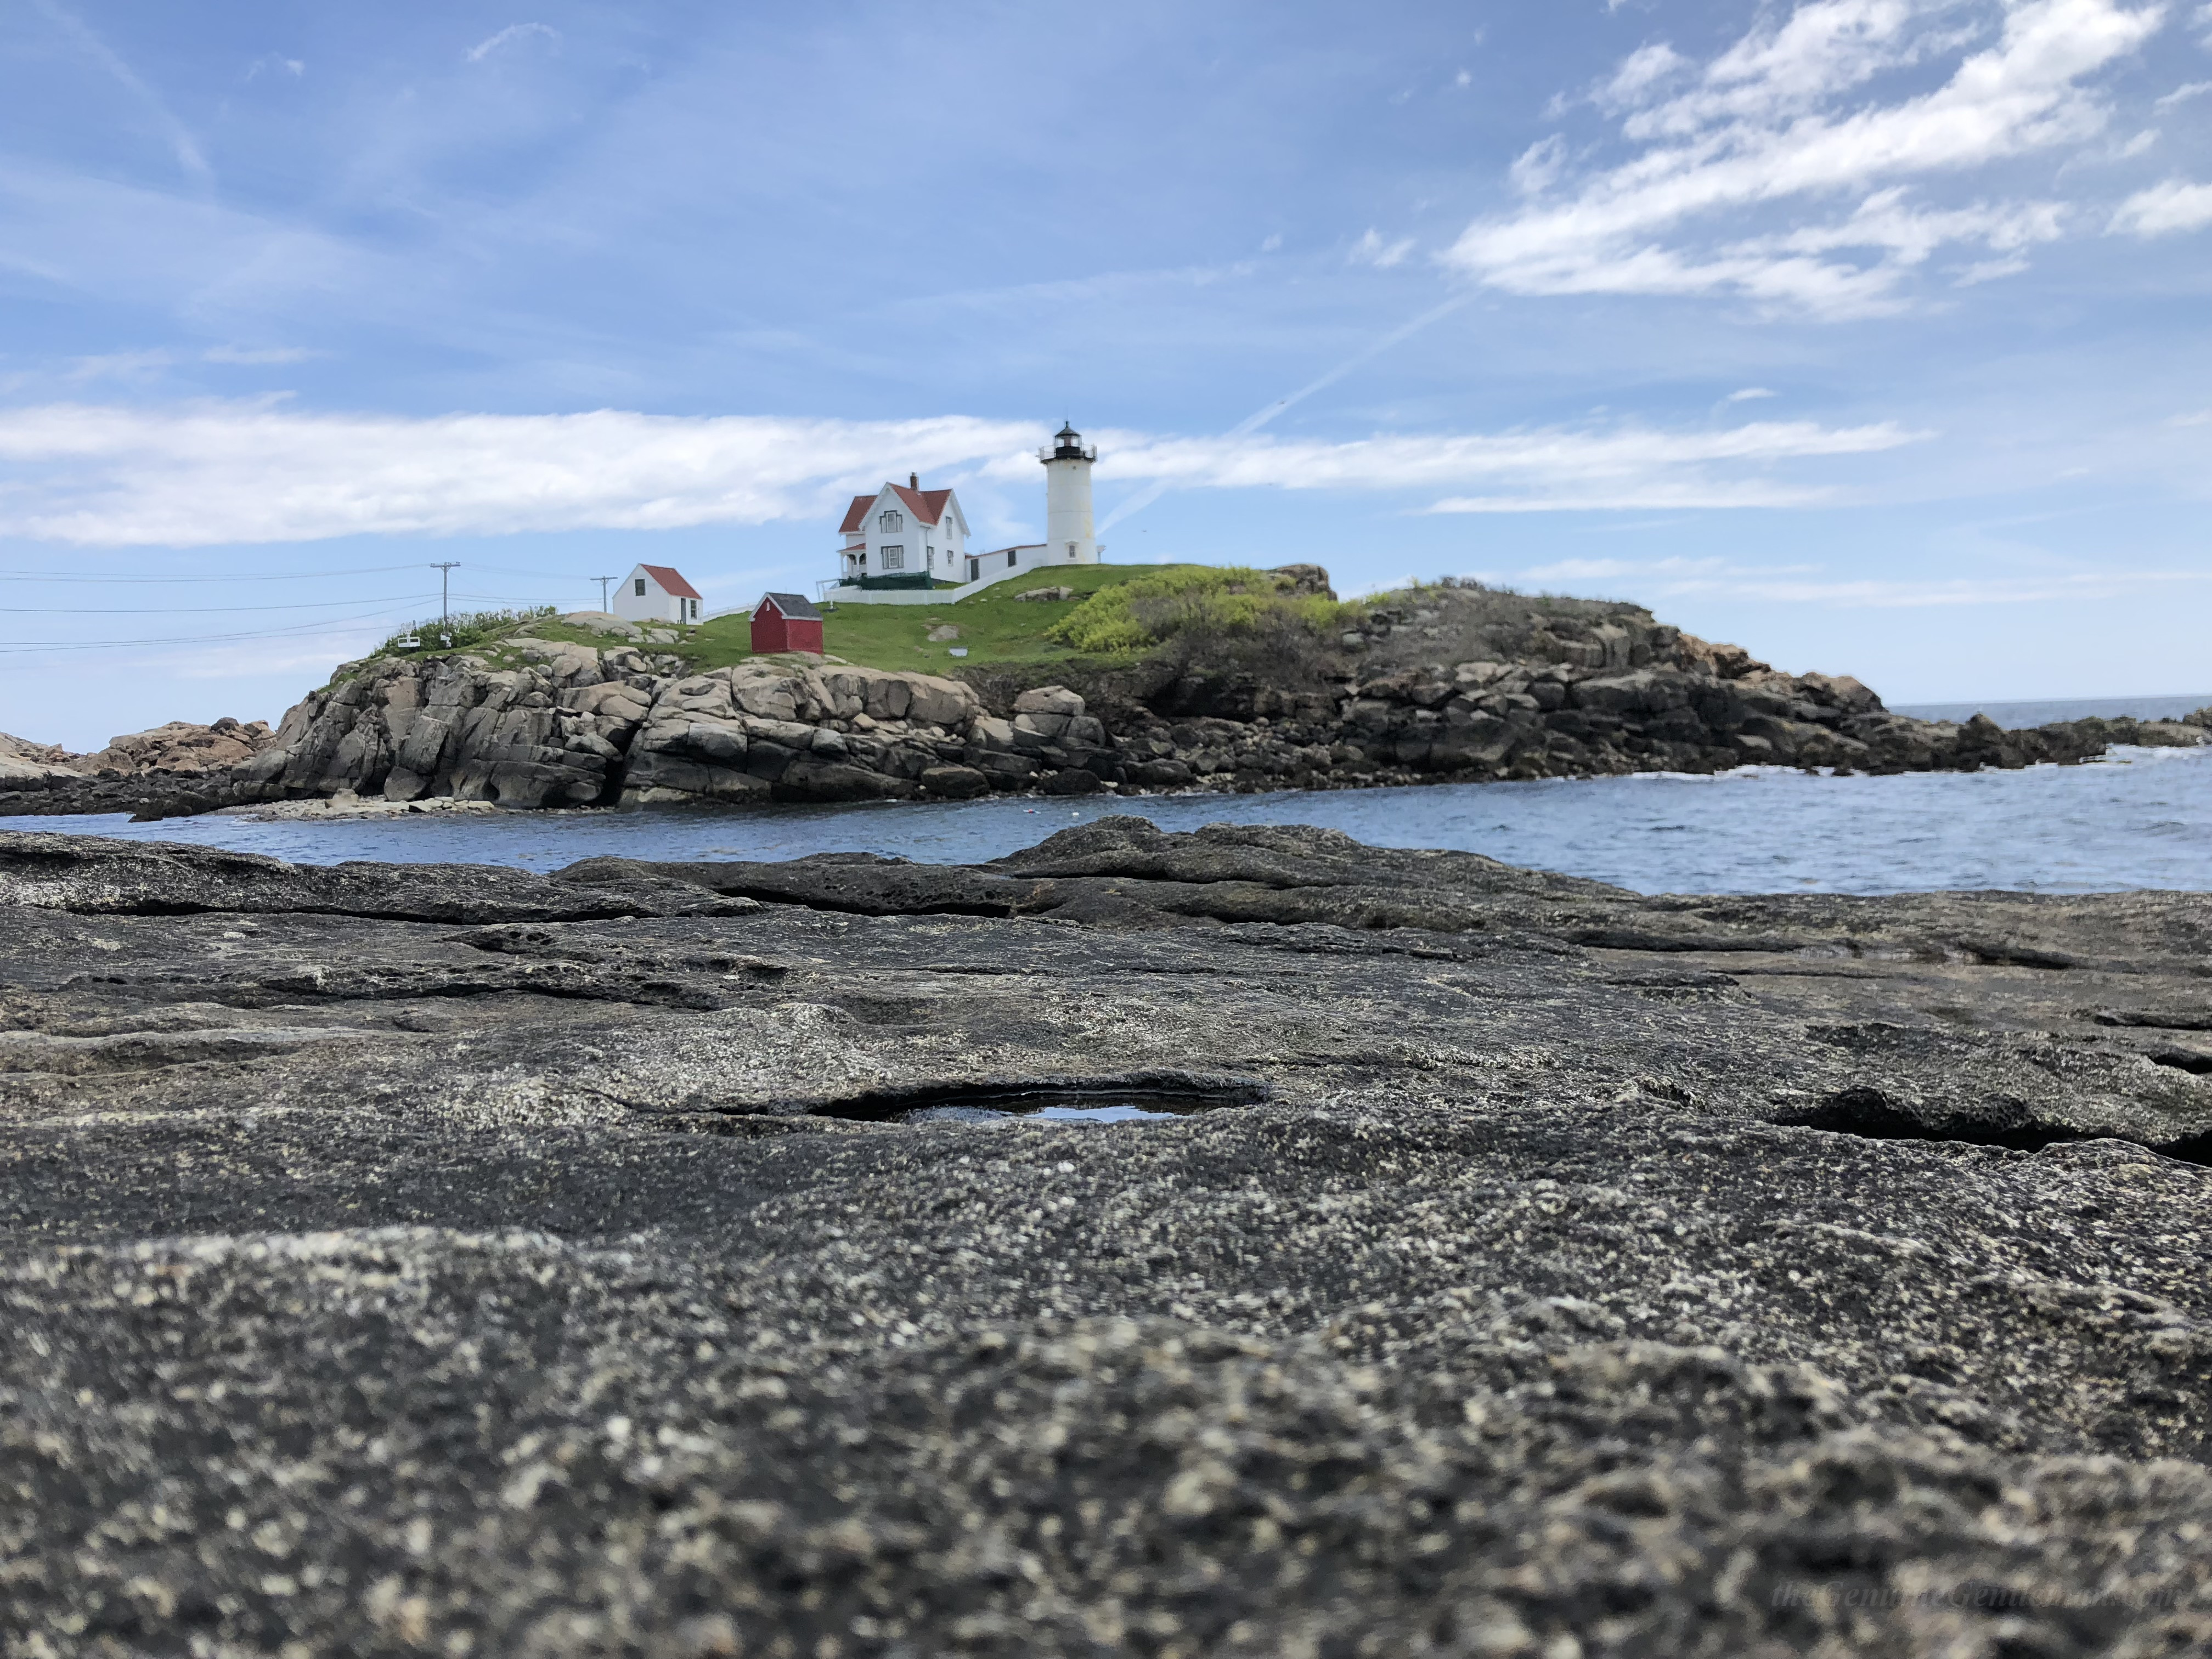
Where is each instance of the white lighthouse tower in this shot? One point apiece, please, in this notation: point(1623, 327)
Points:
point(1067, 531)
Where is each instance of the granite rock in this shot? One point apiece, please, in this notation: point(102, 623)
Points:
point(450, 1259)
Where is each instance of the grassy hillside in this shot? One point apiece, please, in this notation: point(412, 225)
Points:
point(995, 626)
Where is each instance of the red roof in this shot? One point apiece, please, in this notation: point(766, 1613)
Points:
point(927, 505)
point(671, 582)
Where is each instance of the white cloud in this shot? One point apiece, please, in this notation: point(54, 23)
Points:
point(1658, 496)
point(1989, 270)
point(2182, 94)
point(217, 473)
point(1748, 393)
point(509, 36)
point(1640, 71)
point(1548, 469)
point(1769, 129)
point(1372, 250)
point(2164, 208)
point(1272, 244)
point(214, 473)
point(1538, 167)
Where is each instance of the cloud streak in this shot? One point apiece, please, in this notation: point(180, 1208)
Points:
point(215, 473)
point(181, 141)
point(513, 34)
point(1784, 126)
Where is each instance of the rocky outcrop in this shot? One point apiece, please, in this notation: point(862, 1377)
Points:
point(193, 767)
point(182, 748)
point(569, 726)
point(759, 731)
point(1589, 690)
point(30, 767)
point(419, 1260)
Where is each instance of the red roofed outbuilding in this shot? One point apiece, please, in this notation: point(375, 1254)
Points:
point(787, 622)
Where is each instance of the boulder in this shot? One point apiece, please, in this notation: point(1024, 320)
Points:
point(955, 782)
point(934, 700)
point(1070, 781)
point(1046, 595)
point(1306, 579)
point(603, 621)
point(809, 778)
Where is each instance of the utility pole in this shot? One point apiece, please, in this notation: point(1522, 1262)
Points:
point(603, 581)
point(445, 606)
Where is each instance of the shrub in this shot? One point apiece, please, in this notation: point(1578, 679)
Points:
point(1214, 599)
point(467, 628)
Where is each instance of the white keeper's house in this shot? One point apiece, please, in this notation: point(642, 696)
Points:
point(904, 536)
point(656, 594)
point(907, 545)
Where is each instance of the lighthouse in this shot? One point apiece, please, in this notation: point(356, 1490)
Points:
point(1067, 531)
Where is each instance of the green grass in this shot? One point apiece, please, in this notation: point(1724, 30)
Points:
point(994, 626)
point(1193, 599)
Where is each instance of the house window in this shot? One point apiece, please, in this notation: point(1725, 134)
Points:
point(892, 521)
point(695, 611)
point(1010, 558)
point(640, 587)
point(895, 558)
point(1071, 550)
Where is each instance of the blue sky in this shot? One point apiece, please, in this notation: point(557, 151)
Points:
point(1869, 334)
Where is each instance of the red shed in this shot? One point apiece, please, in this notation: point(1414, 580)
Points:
point(787, 622)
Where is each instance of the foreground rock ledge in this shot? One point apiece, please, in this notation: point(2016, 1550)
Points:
point(445, 1260)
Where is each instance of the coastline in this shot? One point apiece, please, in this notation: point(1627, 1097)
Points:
point(1454, 684)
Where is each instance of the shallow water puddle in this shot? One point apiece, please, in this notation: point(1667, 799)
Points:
point(1083, 1105)
point(1144, 1109)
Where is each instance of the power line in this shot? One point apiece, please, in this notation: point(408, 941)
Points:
point(19, 647)
point(260, 576)
point(201, 609)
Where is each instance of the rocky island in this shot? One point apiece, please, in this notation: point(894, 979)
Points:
point(667, 1259)
point(1449, 683)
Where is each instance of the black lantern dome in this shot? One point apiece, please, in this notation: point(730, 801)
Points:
point(1067, 446)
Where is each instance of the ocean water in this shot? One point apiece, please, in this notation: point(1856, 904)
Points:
point(2141, 818)
point(2014, 716)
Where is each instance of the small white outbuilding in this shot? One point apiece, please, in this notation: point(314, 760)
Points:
point(656, 594)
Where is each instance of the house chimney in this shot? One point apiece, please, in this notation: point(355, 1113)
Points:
point(913, 481)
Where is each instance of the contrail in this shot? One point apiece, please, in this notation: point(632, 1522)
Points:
point(1253, 422)
point(181, 141)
